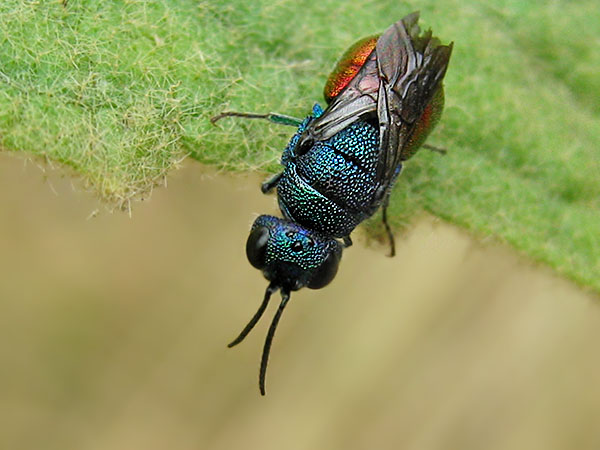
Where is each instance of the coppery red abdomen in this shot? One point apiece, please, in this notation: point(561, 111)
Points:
point(348, 66)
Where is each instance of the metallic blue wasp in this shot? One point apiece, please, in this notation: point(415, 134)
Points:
point(384, 98)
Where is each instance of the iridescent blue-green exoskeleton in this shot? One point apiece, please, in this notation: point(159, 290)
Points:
point(384, 98)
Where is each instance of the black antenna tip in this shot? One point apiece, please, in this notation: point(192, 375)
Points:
point(285, 296)
point(261, 309)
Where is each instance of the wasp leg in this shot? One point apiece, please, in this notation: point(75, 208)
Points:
point(388, 229)
point(441, 151)
point(347, 241)
point(271, 117)
point(268, 185)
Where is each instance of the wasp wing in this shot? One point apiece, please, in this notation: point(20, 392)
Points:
point(357, 101)
point(395, 84)
point(411, 69)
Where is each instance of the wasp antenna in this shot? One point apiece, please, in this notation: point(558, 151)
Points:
point(285, 296)
point(261, 309)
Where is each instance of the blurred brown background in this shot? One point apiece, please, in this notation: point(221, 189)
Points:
point(113, 333)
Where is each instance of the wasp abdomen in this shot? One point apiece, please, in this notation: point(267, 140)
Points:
point(348, 66)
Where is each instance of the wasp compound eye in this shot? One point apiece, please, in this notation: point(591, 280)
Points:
point(256, 247)
point(326, 271)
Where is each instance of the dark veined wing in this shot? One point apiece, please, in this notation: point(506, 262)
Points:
point(411, 68)
point(357, 100)
point(395, 84)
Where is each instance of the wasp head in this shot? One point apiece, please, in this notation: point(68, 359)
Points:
point(290, 256)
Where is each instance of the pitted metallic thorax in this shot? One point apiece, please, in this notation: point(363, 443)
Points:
point(330, 187)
